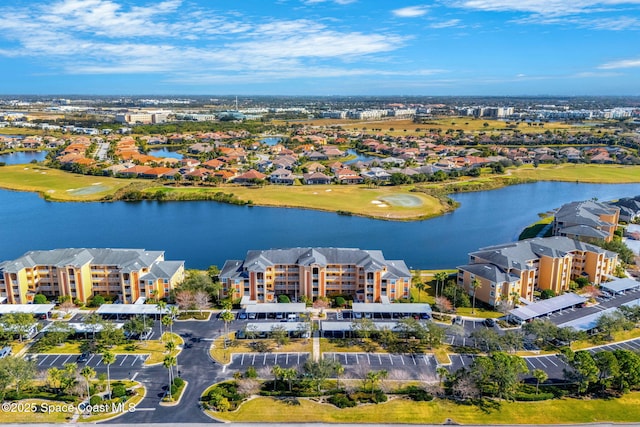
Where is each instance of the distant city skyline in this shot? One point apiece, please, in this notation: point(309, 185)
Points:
point(321, 47)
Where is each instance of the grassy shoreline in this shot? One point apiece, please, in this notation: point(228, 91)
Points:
point(429, 199)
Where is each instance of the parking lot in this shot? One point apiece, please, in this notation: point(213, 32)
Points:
point(633, 345)
point(46, 361)
point(241, 361)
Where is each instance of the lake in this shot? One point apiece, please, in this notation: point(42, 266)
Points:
point(165, 152)
point(205, 233)
point(20, 157)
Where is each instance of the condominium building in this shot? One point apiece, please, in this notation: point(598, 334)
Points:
point(586, 220)
point(512, 271)
point(316, 272)
point(128, 274)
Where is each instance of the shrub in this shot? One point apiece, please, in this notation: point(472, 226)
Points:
point(95, 400)
point(416, 393)
point(119, 391)
point(342, 400)
point(529, 397)
point(178, 382)
point(174, 389)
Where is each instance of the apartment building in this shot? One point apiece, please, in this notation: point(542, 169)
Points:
point(513, 271)
point(124, 273)
point(587, 220)
point(314, 272)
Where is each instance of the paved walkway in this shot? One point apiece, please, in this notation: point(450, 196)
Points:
point(315, 354)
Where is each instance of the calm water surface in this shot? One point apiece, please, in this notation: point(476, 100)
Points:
point(205, 233)
point(20, 157)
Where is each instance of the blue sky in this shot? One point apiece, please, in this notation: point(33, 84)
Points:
point(320, 47)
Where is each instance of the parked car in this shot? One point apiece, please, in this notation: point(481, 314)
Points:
point(252, 316)
point(242, 315)
point(490, 323)
point(83, 357)
point(457, 320)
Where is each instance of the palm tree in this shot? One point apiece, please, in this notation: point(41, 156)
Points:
point(420, 287)
point(226, 317)
point(475, 285)
point(170, 346)
point(169, 362)
point(289, 374)
point(88, 372)
point(276, 371)
point(540, 376)
point(440, 276)
point(339, 370)
point(160, 307)
point(167, 322)
point(442, 373)
point(108, 358)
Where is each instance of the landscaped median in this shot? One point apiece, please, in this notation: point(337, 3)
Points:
point(401, 410)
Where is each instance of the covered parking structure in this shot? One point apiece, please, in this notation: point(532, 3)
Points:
point(587, 323)
point(264, 329)
point(273, 310)
point(330, 329)
point(545, 307)
point(38, 310)
point(389, 310)
point(126, 311)
point(620, 286)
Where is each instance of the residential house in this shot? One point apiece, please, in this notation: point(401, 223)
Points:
point(586, 220)
point(250, 177)
point(316, 178)
point(282, 176)
point(347, 176)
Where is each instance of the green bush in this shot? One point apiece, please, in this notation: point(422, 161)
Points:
point(95, 400)
point(174, 389)
point(118, 391)
point(377, 396)
point(342, 400)
point(529, 397)
point(416, 393)
point(178, 382)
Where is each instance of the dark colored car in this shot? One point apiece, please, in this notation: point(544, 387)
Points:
point(489, 323)
point(83, 357)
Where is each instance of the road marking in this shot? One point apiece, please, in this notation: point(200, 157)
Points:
point(461, 360)
point(368, 359)
point(54, 360)
point(42, 361)
point(548, 359)
point(264, 361)
point(379, 359)
point(453, 338)
point(275, 359)
point(67, 359)
point(414, 360)
point(426, 361)
point(464, 340)
point(357, 361)
point(89, 361)
point(253, 361)
point(287, 358)
point(402, 358)
point(345, 359)
point(390, 359)
point(99, 361)
point(542, 363)
point(134, 376)
point(242, 360)
point(530, 363)
point(135, 359)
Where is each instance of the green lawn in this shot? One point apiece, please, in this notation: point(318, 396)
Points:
point(356, 199)
point(29, 416)
point(535, 228)
point(263, 409)
point(605, 174)
point(58, 185)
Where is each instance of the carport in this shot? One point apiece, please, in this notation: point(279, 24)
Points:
point(129, 310)
point(265, 328)
point(588, 322)
point(619, 286)
point(391, 309)
point(283, 308)
point(37, 310)
point(546, 307)
point(344, 327)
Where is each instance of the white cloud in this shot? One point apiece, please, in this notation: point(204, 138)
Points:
point(411, 11)
point(543, 7)
point(624, 63)
point(446, 24)
point(341, 2)
point(107, 37)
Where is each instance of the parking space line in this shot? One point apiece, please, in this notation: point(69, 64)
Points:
point(135, 359)
point(379, 359)
point(123, 359)
point(542, 363)
point(67, 359)
point(99, 361)
point(54, 360)
point(275, 359)
point(89, 361)
point(357, 361)
point(530, 363)
point(42, 361)
point(426, 361)
point(368, 359)
point(298, 358)
point(286, 359)
point(390, 359)
point(453, 338)
point(550, 361)
point(461, 360)
point(242, 360)
point(264, 361)
point(346, 360)
point(414, 360)
point(402, 358)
